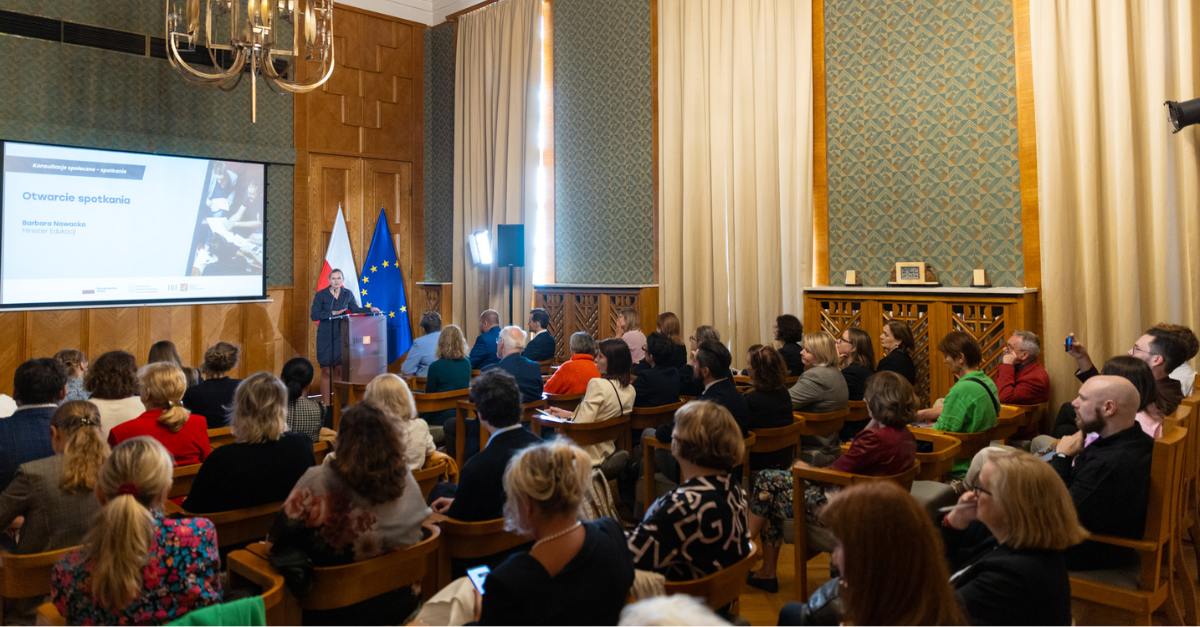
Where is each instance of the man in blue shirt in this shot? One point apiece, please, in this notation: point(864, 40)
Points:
point(38, 387)
point(483, 354)
point(424, 349)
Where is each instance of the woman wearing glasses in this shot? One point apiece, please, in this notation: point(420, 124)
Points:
point(1005, 541)
point(856, 358)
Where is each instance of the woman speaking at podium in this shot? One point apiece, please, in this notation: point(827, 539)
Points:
point(327, 303)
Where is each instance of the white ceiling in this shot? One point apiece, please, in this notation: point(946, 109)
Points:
point(430, 12)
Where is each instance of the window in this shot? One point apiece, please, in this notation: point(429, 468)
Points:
point(543, 240)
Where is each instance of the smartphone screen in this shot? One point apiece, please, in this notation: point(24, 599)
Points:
point(1069, 342)
point(477, 575)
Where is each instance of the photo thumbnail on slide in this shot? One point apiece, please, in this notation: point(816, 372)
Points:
point(228, 238)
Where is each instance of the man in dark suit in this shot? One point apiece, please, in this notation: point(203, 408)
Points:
point(657, 385)
point(38, 387)
point(541, 343)
point(483, 354)
point(479, 494)
point(527, 373)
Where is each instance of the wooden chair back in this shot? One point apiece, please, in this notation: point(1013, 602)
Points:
point(720, 588)
point(342, 586)
point(586, 433)
point(281, 608)
point(182, 479)
point(320, 451)
point(969, 443)
point(650, 466)
point(428, 477)
point(471, 540)
point(236, 526)
point(563, 401)
point(790, 381)
point(220, 437)
point(27, 575)
point(546, 366)
point(858, 411)
point(743, 383)
point(823, 423)
point(936, 463)
point(417, 384)
point(777, 439)
point(1156, 575)
point(800, 476)
point(642, 418)
point(1008, 422)
point(440, 401)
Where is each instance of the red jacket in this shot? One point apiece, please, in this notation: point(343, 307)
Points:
point(1028, 386)
point(573, 376)
point(188, 446)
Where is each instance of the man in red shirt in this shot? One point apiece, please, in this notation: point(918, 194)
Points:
point(1021, 380)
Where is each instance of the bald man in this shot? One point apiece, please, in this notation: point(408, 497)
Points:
point(483, 354)
point(1110, 479)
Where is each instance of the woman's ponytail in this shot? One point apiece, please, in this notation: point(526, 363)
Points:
point(86, 450)
point(165, 384)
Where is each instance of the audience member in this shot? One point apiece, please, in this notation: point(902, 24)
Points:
point(8, 406)
point(541, 344)
point(303, 415)
point(451, 371)
point(768, 403)
point(573, 376)
point(76, 364)
point(1149, 417)
point(265, 461)
point(1183, 373)
point(856, 358)
point(38, 387)
point(629, 329)
point(391, 394)
point(898, 347)
point(971, 405)
point(609, 396)
point(667, 324)
point(821, 389)
point(690, 382)
point(885, 447)
point(213, 397)
point(789, 332)
point(1021, 380)
point(479, 494)
point(879, 528)
point(184, 435)
point(137, 566)
point(365, 498)
point(113, 383)
point(1006, 540)
point(483, 354)
point(712, 369)
point(527, 373)
point(422, 352)
point(677, 609)
point(53, 495)
point(657, 385)
point(1159, 349)
point(581, 571)
point(699, 527)
point(164, 350)
point(1109, 480)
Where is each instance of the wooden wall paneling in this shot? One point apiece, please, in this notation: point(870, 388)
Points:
point(116, 329)
point(648, 309)
point(53, 330)
point(174, 324)
point(594, 310)
point(13, 349)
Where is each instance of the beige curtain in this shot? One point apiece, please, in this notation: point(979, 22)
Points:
point(497, 77)
point(735, 165)
point(1120, 195)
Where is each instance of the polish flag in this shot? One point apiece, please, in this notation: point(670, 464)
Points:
point(340, 257)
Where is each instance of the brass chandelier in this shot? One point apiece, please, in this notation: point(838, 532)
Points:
point(254, 31)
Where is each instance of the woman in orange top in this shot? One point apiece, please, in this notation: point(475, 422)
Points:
point(185, 435)
point(573, 376)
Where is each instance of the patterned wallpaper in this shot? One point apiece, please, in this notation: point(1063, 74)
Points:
point(922, 139)
point(604, 220)
point(439, 153)
point(119, 101)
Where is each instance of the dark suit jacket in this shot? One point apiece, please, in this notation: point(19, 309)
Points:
point(483, 354)
point(480, 493)
point(899, 362)
point(722, 392)
point(213, 399)
point(527, 373)
point(24, 437)
point(656, 387)
point(856, 380)
point(791, 357)
point(540, 348)
point(1000, 585)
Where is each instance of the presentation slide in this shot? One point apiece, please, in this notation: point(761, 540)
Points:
point(82, 226)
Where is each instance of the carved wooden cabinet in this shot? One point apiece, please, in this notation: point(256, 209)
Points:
point(593, 308)
point(990, 315)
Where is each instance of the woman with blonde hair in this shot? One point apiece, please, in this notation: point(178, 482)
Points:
point(629, 330)
point(821, 389)
point(213, 397)
point(451, 370)
point(265, 460)
point(54, 494)
point(1006, 543)
point(76, 364)
point(137, 566)
point(112, 382)
point(392, 395)
point(161, 387)
point(581, 570)
point(699, 527)
point(667, 324)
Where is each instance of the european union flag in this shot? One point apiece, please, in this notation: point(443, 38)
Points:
point(382, 286)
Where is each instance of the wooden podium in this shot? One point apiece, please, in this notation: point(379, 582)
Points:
point(364, 357)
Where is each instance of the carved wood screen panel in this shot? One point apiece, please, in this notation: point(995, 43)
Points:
point(985, 323)
point(916, 315)
point(593, 310)
point(839, 315)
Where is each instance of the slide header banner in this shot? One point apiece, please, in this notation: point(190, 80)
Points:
point(66, 167)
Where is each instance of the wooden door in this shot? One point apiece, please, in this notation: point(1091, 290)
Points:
point(389, 185)
point(333, 181)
